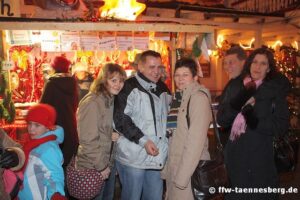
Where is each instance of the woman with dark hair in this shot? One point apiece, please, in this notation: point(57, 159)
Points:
point(188, 142)
point(261, 112)
point(95, 120)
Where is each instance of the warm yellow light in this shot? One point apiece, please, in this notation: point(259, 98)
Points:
point(278, 42)
point(249, 46)
point(121, 9)
point(220, 39)
point(209, 52)
point(296, 45)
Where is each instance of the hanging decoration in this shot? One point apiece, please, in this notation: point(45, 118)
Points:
point(121, 9)
point(27, 76)
point(224, 47)
point(7, 108)
point(84, 57)
point(196, 51)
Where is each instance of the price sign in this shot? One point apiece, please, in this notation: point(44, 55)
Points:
point(7, 65)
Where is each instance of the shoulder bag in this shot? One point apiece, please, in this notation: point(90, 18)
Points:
point(285, 150)
point(84, 183)
point(209, 174)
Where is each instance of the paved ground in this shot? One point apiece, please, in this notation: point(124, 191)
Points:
point(291, 179)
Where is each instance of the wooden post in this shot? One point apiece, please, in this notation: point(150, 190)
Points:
point(258, 38)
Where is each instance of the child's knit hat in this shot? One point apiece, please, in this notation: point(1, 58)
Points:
point(43, 114)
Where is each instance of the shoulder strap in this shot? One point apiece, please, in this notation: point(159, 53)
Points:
point(151, 103)
point(216, 131)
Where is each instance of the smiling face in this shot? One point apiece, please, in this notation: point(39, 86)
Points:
point(259, 67)
point(115, 83)
point(151, 68)
point(183, 77)
point(232, 65)
point(36, 129)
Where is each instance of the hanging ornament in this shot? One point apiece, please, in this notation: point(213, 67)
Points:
point(84, 56)
point(20, 58)
point(100, 59)
point(14, 80)
point(114, 55)
point(196, 49)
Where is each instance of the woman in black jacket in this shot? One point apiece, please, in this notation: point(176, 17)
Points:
point(261, 112)
point(61, 93)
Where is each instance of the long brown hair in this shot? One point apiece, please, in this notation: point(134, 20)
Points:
point(99, 85)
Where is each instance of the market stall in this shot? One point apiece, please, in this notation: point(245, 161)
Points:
point(90, 33)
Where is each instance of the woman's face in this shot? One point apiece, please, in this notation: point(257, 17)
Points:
point(115, 84)
point(183, 77)
point(259, 67)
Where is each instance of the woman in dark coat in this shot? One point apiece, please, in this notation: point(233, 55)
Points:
point(61, 93)
point(261, 113)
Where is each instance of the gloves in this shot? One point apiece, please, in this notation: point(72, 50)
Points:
point(250, 117)
point(58, 196)
point(9, 158)
point(242, 97)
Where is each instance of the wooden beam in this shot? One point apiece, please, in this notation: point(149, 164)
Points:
point(277, 33)
point(217, 25)
point(107, 26)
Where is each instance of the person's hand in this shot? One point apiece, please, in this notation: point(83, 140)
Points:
point(251, 101)
point(250, 117)
point(244, 94)
point(58, 196)
point(115, 136)
point(9, 158)
point(151, 148)
point(105, 173)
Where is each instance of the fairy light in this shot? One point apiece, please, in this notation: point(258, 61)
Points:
point(249, 46)
point(8, 126)
point(220, 39)
point(277, 43)
point(296, 45)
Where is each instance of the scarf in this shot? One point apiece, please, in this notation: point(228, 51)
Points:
point(239, 124)
point(33, 143)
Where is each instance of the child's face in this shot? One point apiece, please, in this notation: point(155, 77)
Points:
point(35, 129)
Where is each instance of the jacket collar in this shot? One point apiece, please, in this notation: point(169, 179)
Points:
point(145, 82)
point(193, 87)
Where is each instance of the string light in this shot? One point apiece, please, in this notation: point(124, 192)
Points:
point(7, 126)
point(296, 45)
point(220, 40)
point(249, 46)
point(278, 42)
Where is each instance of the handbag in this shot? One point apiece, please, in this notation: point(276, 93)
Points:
point(285, 148)
point(209, 173)
point(84, 183)
point(12, 182)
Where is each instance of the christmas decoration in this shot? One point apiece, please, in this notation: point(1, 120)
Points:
point(27, 76)
point(286, 62)
point(7, 108)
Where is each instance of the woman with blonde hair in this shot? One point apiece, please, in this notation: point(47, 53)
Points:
point(94, 120)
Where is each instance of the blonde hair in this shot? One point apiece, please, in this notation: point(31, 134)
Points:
point(99, 85)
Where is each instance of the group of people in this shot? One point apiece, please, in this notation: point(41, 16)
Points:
point(136, 128)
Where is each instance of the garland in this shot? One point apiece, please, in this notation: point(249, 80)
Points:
point(7, 108)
